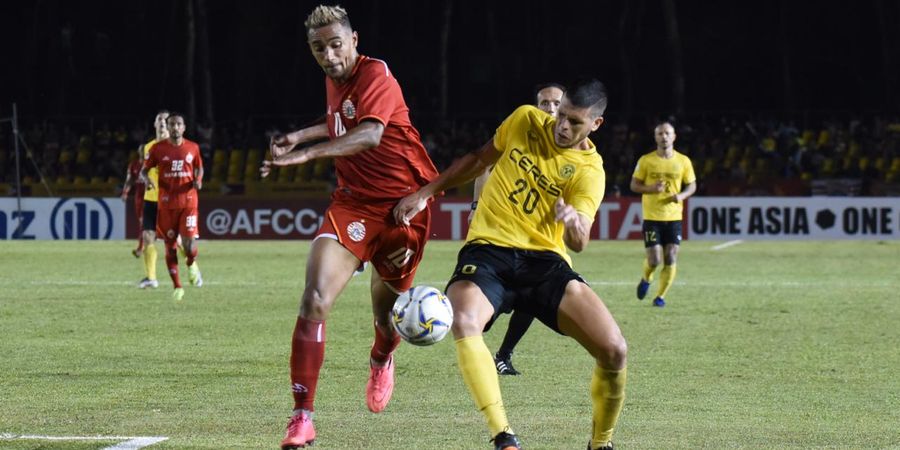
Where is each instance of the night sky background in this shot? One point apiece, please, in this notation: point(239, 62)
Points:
point(127, 58)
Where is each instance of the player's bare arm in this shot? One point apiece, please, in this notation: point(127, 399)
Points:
point(577, 226)
point(463, 170)
point(638, 186)
point(284, 143)
point(198, 178)
point(147, 181)
point(365, 136)
point(686, 192)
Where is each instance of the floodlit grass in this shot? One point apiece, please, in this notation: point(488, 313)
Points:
point(762, 345)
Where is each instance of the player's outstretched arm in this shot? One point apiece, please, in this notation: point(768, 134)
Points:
point(365, 136)
point(577, 226)
point(464, 169)
point(284, 143)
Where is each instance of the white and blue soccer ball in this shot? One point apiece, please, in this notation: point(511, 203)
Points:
point(422, 315)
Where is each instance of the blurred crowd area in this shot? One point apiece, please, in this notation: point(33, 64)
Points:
point(731, 154)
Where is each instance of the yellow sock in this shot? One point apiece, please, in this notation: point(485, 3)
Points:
point(150, 261)
point(477, 368)
point(607, 396)
point(666, 277)
point(648, 271)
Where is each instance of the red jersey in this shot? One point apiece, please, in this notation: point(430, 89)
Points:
point(134, 170)
point(176, 165)
point(399, 165)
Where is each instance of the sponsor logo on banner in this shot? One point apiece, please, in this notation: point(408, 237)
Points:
point(797, 218)
point(76, 218)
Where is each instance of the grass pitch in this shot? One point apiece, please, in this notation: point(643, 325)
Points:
point(762, 345)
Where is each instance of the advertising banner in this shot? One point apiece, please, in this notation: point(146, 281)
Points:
point(793, 218)
point(75, 218)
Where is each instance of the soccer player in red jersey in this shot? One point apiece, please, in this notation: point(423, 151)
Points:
point(133, 180)
point(180, 178)
point(379, 158)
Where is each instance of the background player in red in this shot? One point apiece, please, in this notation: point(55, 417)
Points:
point(379, 158)
point(133, 180)
point(180, 178)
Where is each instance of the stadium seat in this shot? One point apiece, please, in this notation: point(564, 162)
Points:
point(219, 166)
point(895, 164)
point(828, 168)
point(708, 167)
point(80, 180)
point(97, 179)
point(235, 166)
point(286, 174)
point(251, 168)
point(321, 171)
point(304, 172)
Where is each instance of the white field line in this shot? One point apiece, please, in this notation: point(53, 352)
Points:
point(128, 442)
point(727, 244)
point(164, 286)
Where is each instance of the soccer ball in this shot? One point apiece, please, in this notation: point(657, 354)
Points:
point(422, 315)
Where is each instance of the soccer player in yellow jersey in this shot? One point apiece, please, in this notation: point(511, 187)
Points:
point(665, 178)
point(151, 197)
point(547, 99)
point(540, 199)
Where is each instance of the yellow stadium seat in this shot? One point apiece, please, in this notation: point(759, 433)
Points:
point(98, 180)
point(286, 174)
point(80, 179)
point(895, 164)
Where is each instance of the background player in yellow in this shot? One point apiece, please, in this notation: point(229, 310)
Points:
point(151, 197)
point(540, 199)
point(665, 178)
point(547, 99)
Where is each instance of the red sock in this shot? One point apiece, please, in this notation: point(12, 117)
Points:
point(172, 263)
point(383, 346)
point(192, 255)
point(307, 355)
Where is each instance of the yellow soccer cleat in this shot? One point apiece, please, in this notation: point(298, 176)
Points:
point(194, 274)
point(178, 294)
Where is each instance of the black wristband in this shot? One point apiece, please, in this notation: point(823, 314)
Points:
point(474, 205)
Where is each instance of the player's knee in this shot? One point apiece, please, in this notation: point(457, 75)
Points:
point(616, 352)
point(315, 304)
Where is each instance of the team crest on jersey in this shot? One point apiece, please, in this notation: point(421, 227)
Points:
point(356, 231)
point(567, 171)
point(189, 158)
point(348, 109)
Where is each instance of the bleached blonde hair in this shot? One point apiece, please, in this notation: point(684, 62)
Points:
point(326, 15)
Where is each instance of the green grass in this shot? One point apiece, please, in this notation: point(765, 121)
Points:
point(762, 345)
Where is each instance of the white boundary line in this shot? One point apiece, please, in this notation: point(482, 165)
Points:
point(128, 442)
point(728, 244)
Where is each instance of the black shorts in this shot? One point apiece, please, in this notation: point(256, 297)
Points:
point(523, 280)
point(149, 220)
point(659, 232)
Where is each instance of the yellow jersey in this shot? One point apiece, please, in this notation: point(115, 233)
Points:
point(151, 195)
point(517, 205)
point(676, 172)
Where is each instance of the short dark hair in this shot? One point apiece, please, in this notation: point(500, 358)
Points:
point(540, 87)
point(588, 93)
point(175, 114)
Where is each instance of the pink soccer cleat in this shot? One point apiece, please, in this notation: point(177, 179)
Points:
point(300, 432)
point(380, 386)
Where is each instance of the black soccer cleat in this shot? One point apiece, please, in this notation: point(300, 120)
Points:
point(506, 441)
point(608, 446)
point(504, 366)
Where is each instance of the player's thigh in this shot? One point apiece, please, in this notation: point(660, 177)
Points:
point(472, 309)
point(167, 223)
point(585, 318)
point(399, 251)
point(188, 228)
point(328, 269)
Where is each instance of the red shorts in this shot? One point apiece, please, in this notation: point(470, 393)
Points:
point(173, 222)
point(371, 234)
